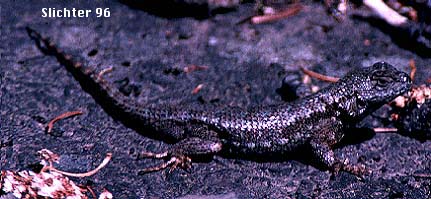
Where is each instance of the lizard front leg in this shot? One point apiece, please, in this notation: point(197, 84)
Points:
point(330, 133)
point(181, 152)
point(325, 155)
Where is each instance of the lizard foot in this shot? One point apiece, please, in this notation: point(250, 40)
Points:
point(175, 161)
point(179, 155)
point(358, 170)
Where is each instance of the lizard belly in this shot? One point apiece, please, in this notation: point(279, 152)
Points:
point(265, 142)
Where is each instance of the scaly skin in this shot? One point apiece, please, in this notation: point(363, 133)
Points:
point(318, 120)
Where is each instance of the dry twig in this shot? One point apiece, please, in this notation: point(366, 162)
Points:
point(197, 89)
point(385, 12)
point(294, 9)
point(103, 72)
point(412, 65)
point(62, 116)
point(384, 130)
point(191, 68)
point(422, 175)
point(80, 175)
point(319, 76)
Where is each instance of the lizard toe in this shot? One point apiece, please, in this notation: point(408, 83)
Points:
point(174, 162)
point(358, 170)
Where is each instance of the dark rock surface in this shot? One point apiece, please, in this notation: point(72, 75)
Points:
point(246, 64)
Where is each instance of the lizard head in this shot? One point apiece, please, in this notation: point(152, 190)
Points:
point(372, 87)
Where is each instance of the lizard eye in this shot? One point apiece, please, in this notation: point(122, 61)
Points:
point(381, 81)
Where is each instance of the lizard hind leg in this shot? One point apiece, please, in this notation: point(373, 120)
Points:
point(180, 154)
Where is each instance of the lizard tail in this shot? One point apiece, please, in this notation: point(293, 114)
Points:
point(93, 82)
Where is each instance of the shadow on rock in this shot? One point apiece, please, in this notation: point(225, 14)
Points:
point(411, 36)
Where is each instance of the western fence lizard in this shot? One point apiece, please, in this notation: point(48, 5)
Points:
point(318, 120)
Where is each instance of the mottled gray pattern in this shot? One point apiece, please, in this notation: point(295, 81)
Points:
point(318, 120)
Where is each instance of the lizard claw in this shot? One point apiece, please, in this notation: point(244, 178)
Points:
point(175, 161)
point(183, 161)
point(358, 170)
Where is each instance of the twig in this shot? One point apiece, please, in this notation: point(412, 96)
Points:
point(91, 191)
point(62, 116)
point(191, 68)
point(385, 12)
point(384, 130)
point(103, 72)
point(86, 174)
point(319, 76)
point(422, 175)
point(294, 9)
point(412, 65)
point(197, 89)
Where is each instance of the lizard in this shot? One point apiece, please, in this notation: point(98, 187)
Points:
point(318, 121)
